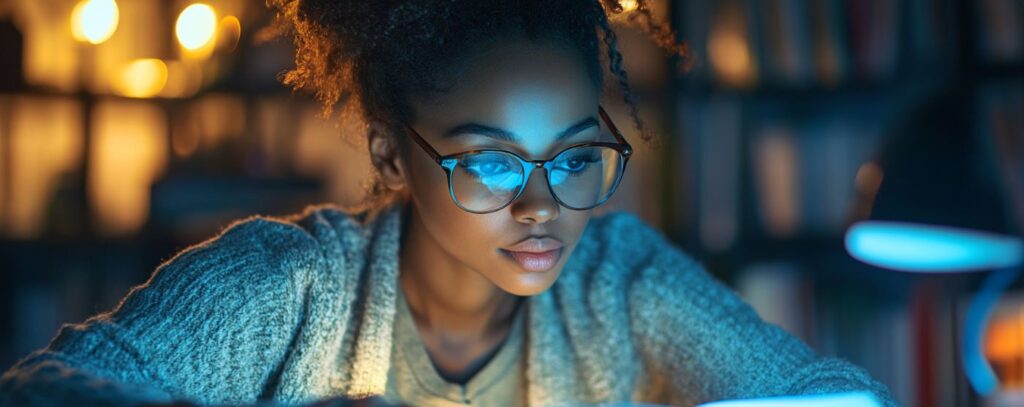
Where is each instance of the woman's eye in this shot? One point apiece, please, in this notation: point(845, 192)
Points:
point(487, 167)
point(574, 164)
point(577, 162)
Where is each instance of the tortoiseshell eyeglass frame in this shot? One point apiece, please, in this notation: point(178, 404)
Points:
point(449, 162)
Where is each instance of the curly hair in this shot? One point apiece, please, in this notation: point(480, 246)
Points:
point(371, 57)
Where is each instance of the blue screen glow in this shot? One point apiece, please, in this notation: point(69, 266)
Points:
point(851, 399)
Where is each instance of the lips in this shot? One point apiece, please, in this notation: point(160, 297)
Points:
point(535, 254)
point(536, 245)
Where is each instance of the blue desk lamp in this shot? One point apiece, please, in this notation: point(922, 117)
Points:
point(940, 210)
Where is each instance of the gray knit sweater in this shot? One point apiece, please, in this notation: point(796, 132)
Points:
point(299, 308)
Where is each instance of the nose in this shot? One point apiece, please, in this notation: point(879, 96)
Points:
point(535, 205)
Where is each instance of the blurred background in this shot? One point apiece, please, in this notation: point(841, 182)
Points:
point(130, 130)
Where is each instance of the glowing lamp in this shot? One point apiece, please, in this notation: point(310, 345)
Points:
point(196, 26)
point(939, 209)
point(933, 249)
point(94, 21)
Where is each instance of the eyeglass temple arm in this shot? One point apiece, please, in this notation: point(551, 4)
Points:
point(615, 130)
point(423, 144)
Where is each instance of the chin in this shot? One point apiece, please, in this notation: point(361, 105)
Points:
point(528, 285)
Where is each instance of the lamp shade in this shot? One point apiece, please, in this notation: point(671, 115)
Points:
point(931, 249)
point(939, 207)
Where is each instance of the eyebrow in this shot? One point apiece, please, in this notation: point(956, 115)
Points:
point(502, 134)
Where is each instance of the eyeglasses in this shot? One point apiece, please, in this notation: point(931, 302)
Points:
point(581, 176)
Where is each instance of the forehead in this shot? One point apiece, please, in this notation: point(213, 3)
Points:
point(532, 90)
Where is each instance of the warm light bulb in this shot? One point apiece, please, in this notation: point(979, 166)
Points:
point(629, 5)
point(94, 21)
point(196, 26)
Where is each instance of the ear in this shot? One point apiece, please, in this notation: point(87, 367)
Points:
point(385, 157)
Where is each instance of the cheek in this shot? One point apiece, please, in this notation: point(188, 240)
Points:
point(428, 184)
point(456, 230)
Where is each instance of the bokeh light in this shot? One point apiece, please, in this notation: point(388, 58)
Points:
point(94, 21)
point(730, 55)
point(729, 49)
point(196, 26)
point(128, 154)
point(184, 78)
point(143, 78)
point(228, 33)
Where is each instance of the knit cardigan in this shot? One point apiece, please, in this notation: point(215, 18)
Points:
point(290, 310)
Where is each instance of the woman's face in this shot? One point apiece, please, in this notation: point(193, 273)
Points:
point(520, 97)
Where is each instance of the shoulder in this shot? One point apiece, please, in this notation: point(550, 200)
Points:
point(253, 260)
point(296, 239)
point(254, 244)
point(258, 256)
point(247, 289)
point(213, 319)
point(657, 276)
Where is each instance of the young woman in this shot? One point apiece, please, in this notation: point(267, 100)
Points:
point(476, 277)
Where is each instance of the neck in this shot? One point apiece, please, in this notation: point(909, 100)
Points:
point(444, 295)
